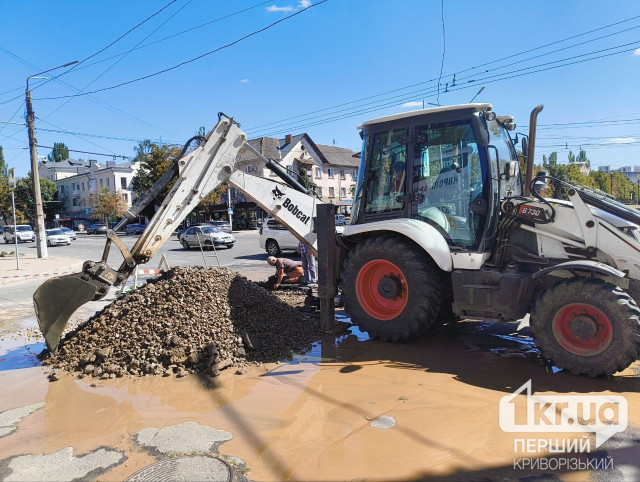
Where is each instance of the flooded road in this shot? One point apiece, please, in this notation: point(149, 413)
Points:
point(352, 408)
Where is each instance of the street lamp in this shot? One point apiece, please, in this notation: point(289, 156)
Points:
point(35, 176)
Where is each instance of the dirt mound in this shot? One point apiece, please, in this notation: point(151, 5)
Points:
point(187, 320)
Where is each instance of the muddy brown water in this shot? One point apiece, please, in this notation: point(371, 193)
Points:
point(309, 419)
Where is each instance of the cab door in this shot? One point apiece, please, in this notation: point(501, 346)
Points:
point(448, 179)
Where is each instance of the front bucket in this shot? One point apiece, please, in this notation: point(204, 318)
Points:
point(56, 300)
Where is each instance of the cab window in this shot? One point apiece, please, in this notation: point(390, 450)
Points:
point(499, 138)
point(386, 177)
point(449, 174)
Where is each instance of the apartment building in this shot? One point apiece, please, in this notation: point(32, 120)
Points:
point(75, 189)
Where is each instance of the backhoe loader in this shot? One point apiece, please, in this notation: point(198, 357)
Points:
point(442, 225)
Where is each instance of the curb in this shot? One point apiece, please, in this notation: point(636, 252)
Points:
point(5, 280)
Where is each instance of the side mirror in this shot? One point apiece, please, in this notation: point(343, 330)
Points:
point(540, 181)
point(511, 169)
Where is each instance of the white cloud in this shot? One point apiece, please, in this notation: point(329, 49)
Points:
point(244, 81)
point(289, 8)
point(636, 52)
point(413, 103)
point(621, 140)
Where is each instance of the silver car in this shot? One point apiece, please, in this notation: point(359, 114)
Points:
point(207, 237)
point(55, 237)
point(70, 233)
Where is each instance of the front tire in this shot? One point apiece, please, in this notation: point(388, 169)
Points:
point(229, 246)
point(272, 248)
point(587, 326)
point(391, 288)
point(184, 244)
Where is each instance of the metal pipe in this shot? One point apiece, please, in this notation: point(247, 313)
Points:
point(533, 120)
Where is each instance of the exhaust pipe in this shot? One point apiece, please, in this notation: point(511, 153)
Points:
point(533, 120)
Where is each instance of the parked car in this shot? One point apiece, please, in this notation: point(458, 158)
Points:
point(70, 233)
point(275, 237)
point(207, 237)
point(224, 225)
point(56, 237)
point(97, 229)
point(25, 233)
point(135, 229)
point(340, 220)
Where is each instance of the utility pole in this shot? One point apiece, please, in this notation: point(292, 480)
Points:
point(41, 242)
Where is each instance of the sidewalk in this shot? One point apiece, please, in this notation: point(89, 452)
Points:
point(31, 267)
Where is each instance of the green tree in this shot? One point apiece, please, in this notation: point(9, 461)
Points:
point(25, 206)
point(154, 160)
point(108, 205)
point(60, 152)
point(600, 180)
point(582, 157)
point(4, 170)
point(552, 160)
point(572, 157)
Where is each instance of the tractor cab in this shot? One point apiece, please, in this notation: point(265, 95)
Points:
point(447, 166)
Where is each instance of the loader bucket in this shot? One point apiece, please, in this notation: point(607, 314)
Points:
point(56, 300)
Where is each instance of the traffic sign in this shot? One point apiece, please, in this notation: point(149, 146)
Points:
point(230, 211)
point(12, 179)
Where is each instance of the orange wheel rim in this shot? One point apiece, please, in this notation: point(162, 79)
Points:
point(382, 289)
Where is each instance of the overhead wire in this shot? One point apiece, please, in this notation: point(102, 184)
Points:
point(422, 94)
point(94, 99)
point(122, 57)
point(491, 62)
point(178, 34)
point(444, 48)
point(163, 71)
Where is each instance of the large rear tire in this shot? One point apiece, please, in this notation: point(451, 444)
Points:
point(391, 288)
point(587, 326)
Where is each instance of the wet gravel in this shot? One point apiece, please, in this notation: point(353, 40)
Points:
point(186, 321)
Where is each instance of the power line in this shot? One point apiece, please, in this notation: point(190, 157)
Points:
point(12, 117)
point(90, 153)
point(444, 48)
point(431, 89)
point(74, 135)
point(94, 99)
point(470, 68)
point(255, 32)
point(423, 94)
point(112, 43)
point(178, 33)
point(123, 57)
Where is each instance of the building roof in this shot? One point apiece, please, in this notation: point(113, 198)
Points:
point(434, 110)
point(267, 146)
point(339, 156)
point(69, 164)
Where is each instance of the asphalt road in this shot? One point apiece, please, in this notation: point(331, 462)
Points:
point(246, 257)
point(246, 251)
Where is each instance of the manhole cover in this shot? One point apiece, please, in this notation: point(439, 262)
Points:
point(188, 468)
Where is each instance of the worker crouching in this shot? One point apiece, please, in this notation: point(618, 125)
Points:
point(287, 271)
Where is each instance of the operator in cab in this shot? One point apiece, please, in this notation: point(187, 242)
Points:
point(287, 270)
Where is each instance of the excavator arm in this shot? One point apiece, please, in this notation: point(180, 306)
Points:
point(194, 176)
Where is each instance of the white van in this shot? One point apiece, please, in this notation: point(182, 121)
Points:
point(275, 238)
point(25, 233)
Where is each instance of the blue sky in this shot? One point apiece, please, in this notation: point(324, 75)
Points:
point(337, 52)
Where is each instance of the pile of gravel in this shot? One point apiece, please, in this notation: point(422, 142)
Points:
point(188, 320)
